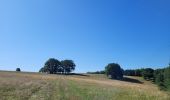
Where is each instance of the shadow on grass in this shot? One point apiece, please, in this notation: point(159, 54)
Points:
point(127, 79)
point(77, 74)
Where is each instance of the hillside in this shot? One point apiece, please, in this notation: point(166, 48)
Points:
point(36, 86)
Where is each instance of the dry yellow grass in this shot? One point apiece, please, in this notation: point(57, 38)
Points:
point(36, 86)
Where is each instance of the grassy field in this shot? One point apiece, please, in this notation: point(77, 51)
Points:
point(36, 86)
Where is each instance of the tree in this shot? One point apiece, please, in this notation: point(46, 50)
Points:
point(129, 72)
point(138, 72)
point(42, 70)
point(18, 69)
point(68, 66)
point(102, 72)
point(54, 66)
point(148, 74)
point(51, 66)
point(159, 78)
point(133, 72)
point(114, 71)
point(167, 78)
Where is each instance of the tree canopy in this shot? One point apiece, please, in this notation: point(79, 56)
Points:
point(18, 69)
point(133, 72)
point(68, 66)
point(114, 71)
point(54, 66)
point(148, 73)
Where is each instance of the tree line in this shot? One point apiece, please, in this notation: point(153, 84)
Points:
point(161, 77)
point(133, 72)
point(54, 66)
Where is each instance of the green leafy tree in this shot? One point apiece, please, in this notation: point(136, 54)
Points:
point(51, 66)
point(68, 66)
point(133, 72)
point(159, 78)
point(18, 69)
point(129, 72)
point(148, 73)
point(138, 72)
point(114, 71)
point(167, 78)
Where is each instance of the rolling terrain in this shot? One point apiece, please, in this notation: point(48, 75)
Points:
point(37, 86)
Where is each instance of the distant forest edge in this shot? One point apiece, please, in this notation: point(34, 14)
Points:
point(161, 77)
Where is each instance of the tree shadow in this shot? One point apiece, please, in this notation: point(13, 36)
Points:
point(127, 79)
point(78, 74)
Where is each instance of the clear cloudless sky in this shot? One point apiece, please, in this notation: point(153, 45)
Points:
point(93, 33)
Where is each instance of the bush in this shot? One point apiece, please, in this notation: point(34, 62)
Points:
point(18, 69)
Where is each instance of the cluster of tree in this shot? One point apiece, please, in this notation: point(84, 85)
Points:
point(114, 71)
point(97, 72)
point(146, 73)
point(161, 77)
point(54, 66)
point(131, 72)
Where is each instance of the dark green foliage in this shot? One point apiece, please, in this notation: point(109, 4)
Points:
point(129, 72)
point(18, 69)
point(148, 73)
point(42, 70)
point(159, 78)
point(162, 78)
point(135, 72)
point(102, 72)
point(68, 66)
point(138, 72)
point(167, 78)
point(114, 71)
point(54, 66)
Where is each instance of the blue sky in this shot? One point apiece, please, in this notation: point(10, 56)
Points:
point(93, 33)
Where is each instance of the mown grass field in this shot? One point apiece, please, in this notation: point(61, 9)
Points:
point(36, 86)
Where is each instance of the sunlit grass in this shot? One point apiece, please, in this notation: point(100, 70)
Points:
point(33, 86)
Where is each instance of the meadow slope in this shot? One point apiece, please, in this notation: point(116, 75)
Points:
point(37, 86)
